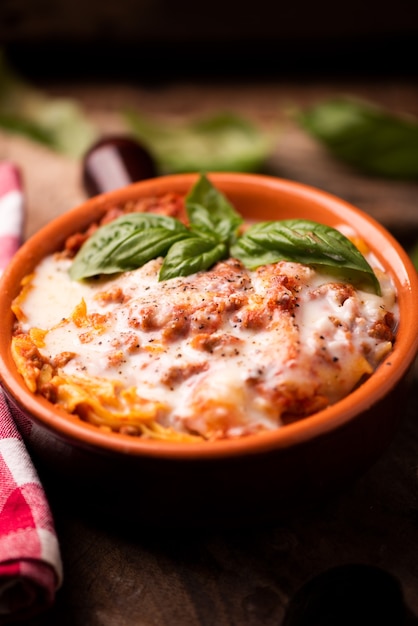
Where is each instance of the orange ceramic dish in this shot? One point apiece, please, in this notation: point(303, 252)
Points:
point(248, 342)
point(229, 477)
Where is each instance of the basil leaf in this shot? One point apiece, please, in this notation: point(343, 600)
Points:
point(59, 123)
point(21, 126)
point(136, 238)
point(220, 142)
point(126, 243)
point(306, 242)
point(365, 136)
point(210, 212)
point(192, 255)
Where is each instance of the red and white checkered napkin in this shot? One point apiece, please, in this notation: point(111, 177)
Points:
point(30, 560)
point(11, 212)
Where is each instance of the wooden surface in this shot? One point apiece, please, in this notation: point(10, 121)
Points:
point(119, 576)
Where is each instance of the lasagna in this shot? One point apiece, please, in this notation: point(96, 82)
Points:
point(220, 353)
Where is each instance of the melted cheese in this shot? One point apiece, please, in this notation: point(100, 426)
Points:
point(220, 353)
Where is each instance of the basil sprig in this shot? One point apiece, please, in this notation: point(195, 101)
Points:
point(213, 227)
point(134, 239)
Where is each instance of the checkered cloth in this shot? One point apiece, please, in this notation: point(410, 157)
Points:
point(30, 561)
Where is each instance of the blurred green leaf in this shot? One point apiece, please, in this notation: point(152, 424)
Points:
point(365, 136)
point(33, 131)
point(56, 122)
point(223, 142)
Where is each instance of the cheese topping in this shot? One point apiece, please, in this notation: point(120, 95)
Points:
point(220, 353)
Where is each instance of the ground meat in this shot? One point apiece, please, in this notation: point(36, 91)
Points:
point(170, 204)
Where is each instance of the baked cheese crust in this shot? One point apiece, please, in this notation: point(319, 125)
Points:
point(217, 354)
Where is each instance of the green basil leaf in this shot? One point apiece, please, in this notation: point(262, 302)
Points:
point(136, 238)
point(126, 243)
point(210, 212)
point(59, 123)
point(220, 142)
point(192, 255)
point(31, 130)
point(306, 242)
point(365, 136)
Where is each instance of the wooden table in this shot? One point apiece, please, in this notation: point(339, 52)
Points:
point(115, 576)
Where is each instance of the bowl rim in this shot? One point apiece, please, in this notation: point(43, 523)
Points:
point(384, 379)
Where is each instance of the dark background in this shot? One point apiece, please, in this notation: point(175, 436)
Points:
point(156, 40)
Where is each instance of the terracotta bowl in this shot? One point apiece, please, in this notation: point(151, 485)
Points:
point(251, 479)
